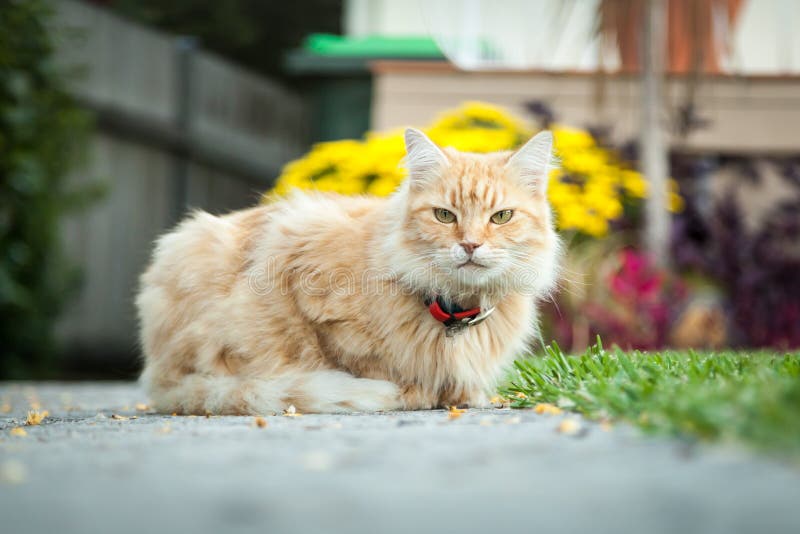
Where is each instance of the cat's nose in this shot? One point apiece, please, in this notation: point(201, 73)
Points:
point(470, 247)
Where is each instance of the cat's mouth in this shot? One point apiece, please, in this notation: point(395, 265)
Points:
point(471, 264)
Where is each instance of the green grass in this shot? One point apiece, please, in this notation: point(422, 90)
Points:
point(753, 398)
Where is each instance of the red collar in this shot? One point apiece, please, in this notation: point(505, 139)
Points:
point(454, 318)
point(445, 313)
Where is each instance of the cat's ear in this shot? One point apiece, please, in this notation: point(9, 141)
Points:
point(532, 162)
point(424, 160)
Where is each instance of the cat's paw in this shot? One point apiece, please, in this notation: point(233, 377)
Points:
point(374, 396)
point(415, 398)
point(336, 391)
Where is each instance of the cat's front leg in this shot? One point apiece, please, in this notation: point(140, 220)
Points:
point(479, 399)
point(413, 397)
point(475, 398)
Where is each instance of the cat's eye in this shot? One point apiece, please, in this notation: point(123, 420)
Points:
point(502, 216)
point(444, 216)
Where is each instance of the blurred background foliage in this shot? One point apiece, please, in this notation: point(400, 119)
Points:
point(253, 33)
point(43, 135)
point(757, 269)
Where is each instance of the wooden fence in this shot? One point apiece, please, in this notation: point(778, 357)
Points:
point(176, 128)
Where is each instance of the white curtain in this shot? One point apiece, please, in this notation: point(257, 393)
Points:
point(516, 34)
point(561, 34)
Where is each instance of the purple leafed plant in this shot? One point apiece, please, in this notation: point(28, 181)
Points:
point(759, 271)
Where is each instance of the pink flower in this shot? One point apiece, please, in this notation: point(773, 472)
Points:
point(636, 278)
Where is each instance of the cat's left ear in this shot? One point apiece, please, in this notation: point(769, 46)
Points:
point(424, 160)
point(533, 161)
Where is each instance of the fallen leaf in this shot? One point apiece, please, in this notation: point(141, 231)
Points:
point(500, 402)
point(260, 422)
point(454, 412)
point(118, 417)
point(291, 411)
point(18, 432)
point(570, 427)
point(35, 417)
point(546, 408)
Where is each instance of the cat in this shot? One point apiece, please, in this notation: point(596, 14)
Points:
point(334, 303)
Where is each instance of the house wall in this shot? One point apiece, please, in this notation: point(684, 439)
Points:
point(742, 114)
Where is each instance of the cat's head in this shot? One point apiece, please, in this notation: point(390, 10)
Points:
point(478, 221)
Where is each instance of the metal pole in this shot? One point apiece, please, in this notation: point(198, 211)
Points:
point(653, 142)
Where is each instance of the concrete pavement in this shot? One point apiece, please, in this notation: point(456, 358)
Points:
point(83, 471)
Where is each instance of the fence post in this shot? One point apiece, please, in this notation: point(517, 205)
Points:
point(185, 50)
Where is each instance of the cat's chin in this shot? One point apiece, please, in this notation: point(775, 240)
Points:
point(475, 276)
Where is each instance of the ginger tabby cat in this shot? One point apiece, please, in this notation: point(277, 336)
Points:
point(337, 304)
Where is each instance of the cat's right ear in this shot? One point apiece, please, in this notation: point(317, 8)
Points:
point(424, 160)
point(533, 162)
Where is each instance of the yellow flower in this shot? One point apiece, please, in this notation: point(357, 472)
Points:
point(675, 203)
point(475, 140)
point(634, 184)
point(570, 216)
point(674, 197)
point(384, 185)
point(595, 225)
point(569, 139)
point(478, 127)
point(479, 115)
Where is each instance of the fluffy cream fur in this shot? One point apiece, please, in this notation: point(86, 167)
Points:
point(316, 300)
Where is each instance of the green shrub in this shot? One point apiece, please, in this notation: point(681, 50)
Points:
point(43, 135)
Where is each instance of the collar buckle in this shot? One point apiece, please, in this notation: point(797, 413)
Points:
point(480, 317)
point(454, 318)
